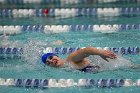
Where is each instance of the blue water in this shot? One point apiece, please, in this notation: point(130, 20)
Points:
point(30, 68)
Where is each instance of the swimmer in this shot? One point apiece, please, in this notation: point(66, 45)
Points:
point(78, 59)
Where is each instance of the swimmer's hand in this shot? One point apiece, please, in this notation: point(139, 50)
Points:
point(107, 54)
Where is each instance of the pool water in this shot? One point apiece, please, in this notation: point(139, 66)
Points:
point(29, 65)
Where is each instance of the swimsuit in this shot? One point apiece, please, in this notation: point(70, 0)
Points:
point(90, 69)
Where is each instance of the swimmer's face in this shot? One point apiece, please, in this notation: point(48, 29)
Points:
point(54, 61)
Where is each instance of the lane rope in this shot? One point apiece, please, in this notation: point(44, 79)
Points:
point(47, 29)
point(61, 2)
point(10, 53)
point(68, 12)
point(61, 83)
point(43, 1)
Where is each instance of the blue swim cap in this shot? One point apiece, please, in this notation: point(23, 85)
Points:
point(45, 56)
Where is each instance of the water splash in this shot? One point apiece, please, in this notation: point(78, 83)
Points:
point(32, 50)
point(119, 62)
point(5, 42)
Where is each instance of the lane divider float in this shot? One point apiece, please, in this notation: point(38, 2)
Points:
point(69, 12)
point(62, 83)
point(11, 53)
point(47, 29)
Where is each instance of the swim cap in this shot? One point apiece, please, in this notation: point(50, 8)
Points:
point(45, 56)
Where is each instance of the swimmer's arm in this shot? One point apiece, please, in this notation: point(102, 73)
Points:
point(80, 54)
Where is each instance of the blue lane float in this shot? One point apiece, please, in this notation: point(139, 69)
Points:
point(16, 53)
point(47, 29)
point(102, 83)
point(10, 53)
point(68, 12)
point(63, 83)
